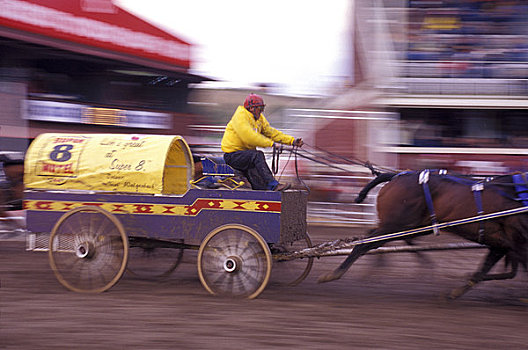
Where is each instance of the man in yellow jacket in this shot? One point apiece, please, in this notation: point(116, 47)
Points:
point(247, 130)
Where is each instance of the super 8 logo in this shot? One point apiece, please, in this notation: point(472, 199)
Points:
point(59, 157)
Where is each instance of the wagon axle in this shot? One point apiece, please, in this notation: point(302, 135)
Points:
point(232, 264)
point(85, 250)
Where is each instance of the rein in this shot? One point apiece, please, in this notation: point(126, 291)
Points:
point(327, 160)
point(275, 163)
point(277, 151)
point(376, 170)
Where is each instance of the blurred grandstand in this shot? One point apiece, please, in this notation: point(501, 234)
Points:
point(461, 84)
point(440, 84)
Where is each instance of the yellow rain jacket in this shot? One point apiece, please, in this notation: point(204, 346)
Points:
point(243, 132)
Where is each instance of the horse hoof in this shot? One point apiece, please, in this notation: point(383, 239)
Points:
point(328, 277)
point(451, 296)
point(457, 292)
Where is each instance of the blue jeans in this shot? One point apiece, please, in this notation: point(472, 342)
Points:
point(252, 164)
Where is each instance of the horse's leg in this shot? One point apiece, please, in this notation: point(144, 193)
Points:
point(358, 251)
point(494, 255)
point(423, 257)
point(503, 276)
point(420, 254)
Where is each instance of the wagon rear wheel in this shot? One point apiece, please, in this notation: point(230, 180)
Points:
point(291, 272)
point(88, 250)
point(234, 260)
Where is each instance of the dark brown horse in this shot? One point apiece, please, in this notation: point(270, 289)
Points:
point(402, 204)
point(11, 184)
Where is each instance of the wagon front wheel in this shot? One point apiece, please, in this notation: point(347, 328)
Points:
point(88, 250)
point(235, 261)
point(291, 272)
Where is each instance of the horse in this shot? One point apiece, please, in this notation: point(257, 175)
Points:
point(410, 200)
point(11, 185)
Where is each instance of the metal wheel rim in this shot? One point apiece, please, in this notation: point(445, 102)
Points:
point(292, 267)
point(234, 244)
point(105, 260)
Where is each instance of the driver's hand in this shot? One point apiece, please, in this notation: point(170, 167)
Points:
point(298, 142)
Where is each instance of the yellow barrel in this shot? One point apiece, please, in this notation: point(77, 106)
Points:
point(151, 164)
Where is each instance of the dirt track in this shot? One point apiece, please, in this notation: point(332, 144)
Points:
point(389, 302)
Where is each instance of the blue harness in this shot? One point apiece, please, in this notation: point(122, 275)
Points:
point(423, 179)
point(476, 188)
point(521, 188)
point(520, 183)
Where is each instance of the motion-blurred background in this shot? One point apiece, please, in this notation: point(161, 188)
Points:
point(404, 84)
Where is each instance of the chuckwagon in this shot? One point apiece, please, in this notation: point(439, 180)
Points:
point(97, 202)
point(103, 204)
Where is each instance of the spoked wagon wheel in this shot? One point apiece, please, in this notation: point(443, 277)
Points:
point(234, 260)
point(88, 250)
point(291, 272)
point(150, 259)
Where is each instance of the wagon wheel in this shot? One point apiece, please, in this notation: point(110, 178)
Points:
point(88, 250)
point(150, 260)
point(234, 260)
point(292, 272)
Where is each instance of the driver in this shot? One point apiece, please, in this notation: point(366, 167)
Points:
point(247, 130)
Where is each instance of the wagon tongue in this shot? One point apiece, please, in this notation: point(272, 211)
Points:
point(326, 248)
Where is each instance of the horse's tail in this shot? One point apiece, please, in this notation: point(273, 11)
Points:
point(380, 178)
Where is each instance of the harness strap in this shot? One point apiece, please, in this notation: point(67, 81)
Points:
point(520, 187)
point(477, 193)
point(423, 179)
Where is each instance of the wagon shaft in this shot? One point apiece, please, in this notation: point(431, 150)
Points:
point(323, 249)
point(343, 248)
point(340, 247)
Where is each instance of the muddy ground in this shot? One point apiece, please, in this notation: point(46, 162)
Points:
point(389, 302)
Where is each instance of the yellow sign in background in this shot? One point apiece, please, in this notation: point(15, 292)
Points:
point(155, 164)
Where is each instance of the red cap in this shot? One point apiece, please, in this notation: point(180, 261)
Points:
point(253, 100)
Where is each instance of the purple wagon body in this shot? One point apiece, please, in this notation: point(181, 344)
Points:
point(102, 203)
point(276, 216)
